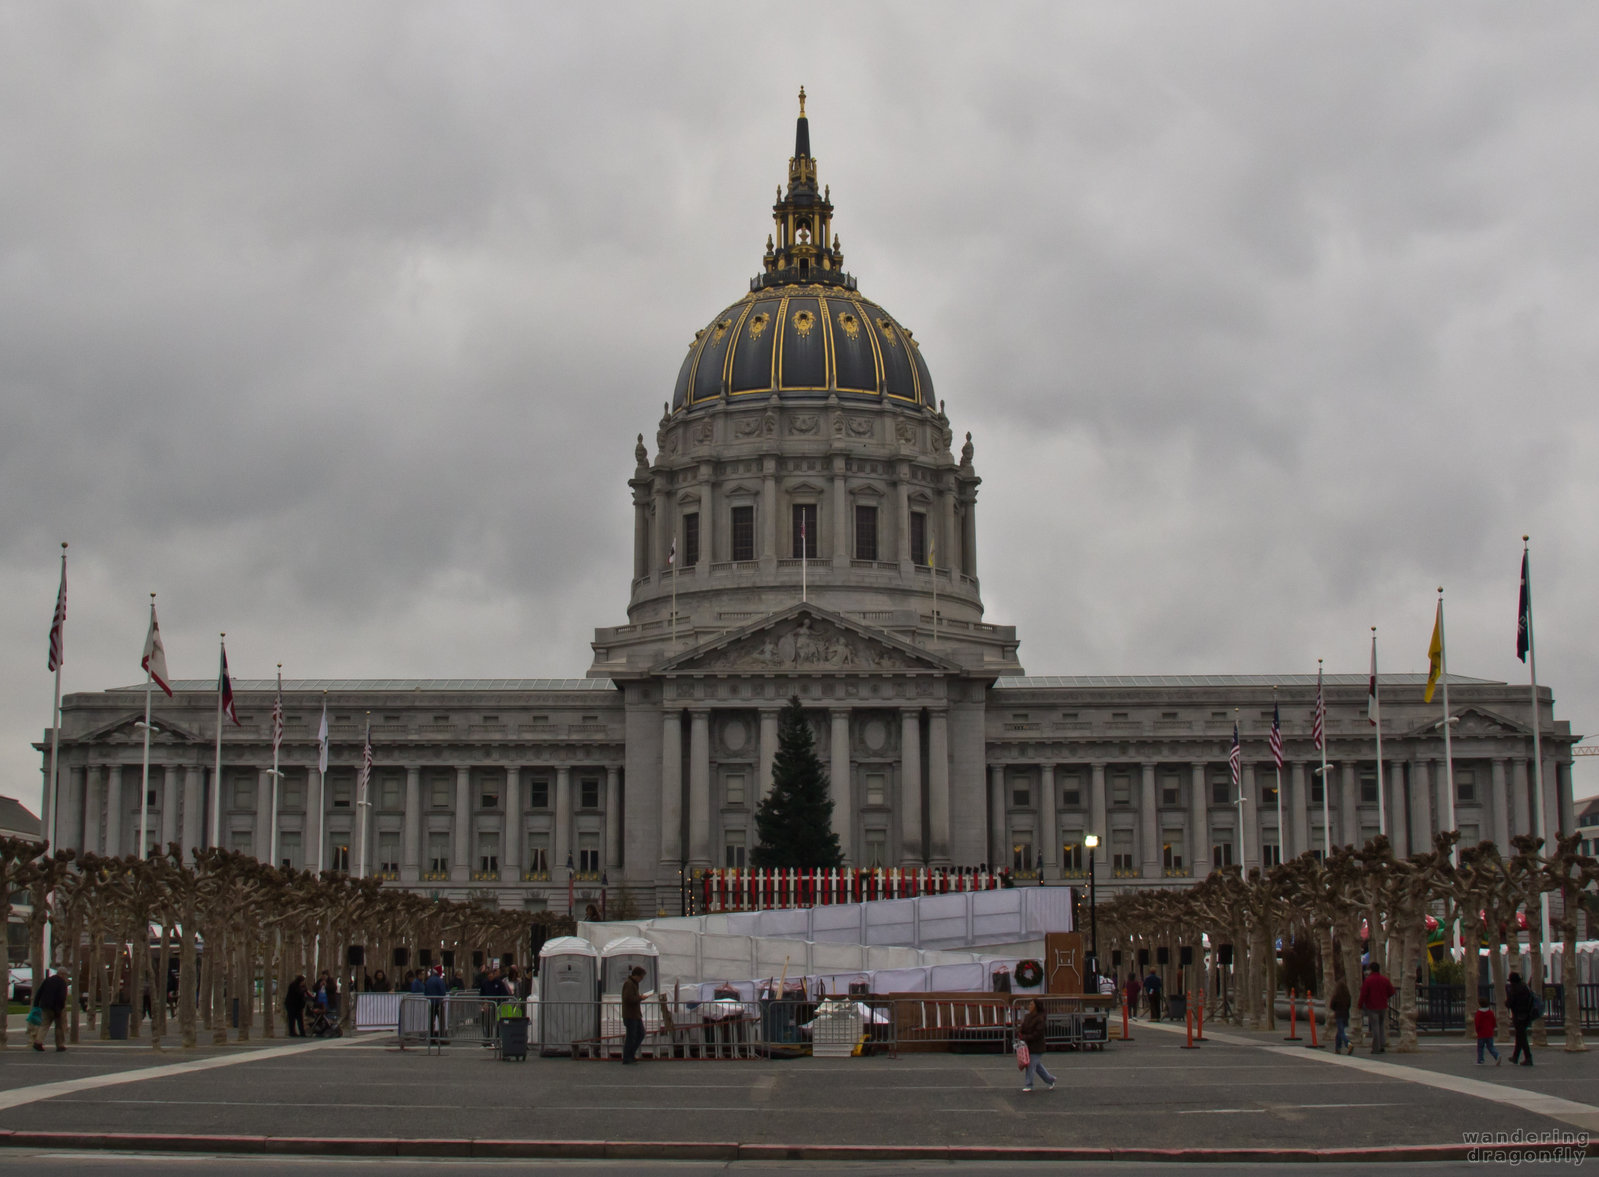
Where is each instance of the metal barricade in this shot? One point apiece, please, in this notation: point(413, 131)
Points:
point(458, 1019)
point(1071, 1023)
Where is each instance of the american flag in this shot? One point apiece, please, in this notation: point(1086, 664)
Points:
point(671, 556)
point(277, 718)
point(1276, 735)
point(58, 627)
point(1318, 725)
point(366, 766)
point(1235, 758)
point(225, 685)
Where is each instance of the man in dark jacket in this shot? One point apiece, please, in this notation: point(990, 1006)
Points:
point(1519, 1001)
point(436, 989)
point(294, 1006)
point(632, 1016)
point(50, 998)
point(1152, 992)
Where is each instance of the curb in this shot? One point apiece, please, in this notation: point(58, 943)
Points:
point(468, 1147)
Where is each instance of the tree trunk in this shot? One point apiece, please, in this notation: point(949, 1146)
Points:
point(218, 960)
point(188, 979)
point(1536, 976)
point(1568, 971)
point(1405, 977)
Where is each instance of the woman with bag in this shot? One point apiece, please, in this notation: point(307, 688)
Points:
point(1030, 1037)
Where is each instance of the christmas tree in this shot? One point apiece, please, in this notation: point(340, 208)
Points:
point(795, 822)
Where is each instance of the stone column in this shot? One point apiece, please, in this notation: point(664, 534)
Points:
point(113, 810)
point(1098, 818)
point(1498, 797)
point(265, 818)
point(671, 788)
point(1520, 799)
point(1050, 820)
point(169, 803)
point(1298, 811)
point(563, 821)
point(699, 787)
point(946, 556)
point(839, 771)
point(93, 803)
point(767, 553)
point(511, 852)
point(843, 552)
point(1398, 820)
point(1421, 826)
point(194, 836)
point(69, 817)
point(1249, 834)
point(902, 510)
point(768, 746)
point(707, 512)
point(661, 538)
point(411, 833)
point(1148, 824)
point(912, 852)
point(613, 818)
point(1199, 816)
point(1348, 805)
point(938, 786)
point(1551, 803)
point(641, 538)
point(461, 859)
point(997, 855)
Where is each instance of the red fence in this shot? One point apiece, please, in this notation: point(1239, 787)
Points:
point(761, 888)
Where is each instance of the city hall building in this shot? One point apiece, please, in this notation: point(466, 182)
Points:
point(805, 525)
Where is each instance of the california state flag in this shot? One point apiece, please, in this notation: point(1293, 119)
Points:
point(155, 654)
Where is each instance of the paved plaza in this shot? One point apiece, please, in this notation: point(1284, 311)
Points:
point(1149, 1098)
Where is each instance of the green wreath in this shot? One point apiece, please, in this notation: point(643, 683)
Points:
point(1029, 973)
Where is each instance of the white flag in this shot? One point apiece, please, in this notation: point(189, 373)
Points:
point(322, 741)
point(155, 654)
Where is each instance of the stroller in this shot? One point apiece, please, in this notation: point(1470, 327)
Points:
point(318, 1024)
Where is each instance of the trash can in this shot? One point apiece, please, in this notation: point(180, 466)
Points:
point(513, 1038)
point(118, 1021)
point(1177, 1007)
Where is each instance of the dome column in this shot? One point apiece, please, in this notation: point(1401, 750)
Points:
point(841, 529)
point(768, 552)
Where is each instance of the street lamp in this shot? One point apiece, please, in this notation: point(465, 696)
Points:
point(1092, 841)
point(605, 881)
point(569, 884)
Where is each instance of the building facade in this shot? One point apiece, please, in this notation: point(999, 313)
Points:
point(804, 528)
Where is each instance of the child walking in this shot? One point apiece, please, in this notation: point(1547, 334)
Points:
point(1487, 1024)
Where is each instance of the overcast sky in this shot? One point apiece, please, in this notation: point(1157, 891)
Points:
point(334, 324)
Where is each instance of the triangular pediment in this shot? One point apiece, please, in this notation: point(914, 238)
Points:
point(806, 639)
point(1472, 722)
point(129, 729)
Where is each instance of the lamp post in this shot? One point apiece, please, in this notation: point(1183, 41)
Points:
point(570, 878)
point(1092, 841)
point(605, 881)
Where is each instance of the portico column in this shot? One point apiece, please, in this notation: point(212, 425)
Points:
point(461, 860)
point(169, 803)
point(113, 810)
point(194, 836)
point(613, 817)
point(1249, 835)
point(661, 539)
point(1299, 810)
point(1096, 814)
point(768, 745)
point(938, 785)
point(1498, 795)
point(841, 782)
point(768, 553)
point(511, 852)
point(996, 816)
point(1051, 821)
point(1199, 816)
point(902, 510)
point(74, 803)
point(910, 788)
point(563, 821)
point(1520, 799)
point(842, 551)
point(671, 788)
point(1348, 807)
point(261, 840)
point(1148, 824)
point(1420, 805)
point(699, 787)
point(410, 835)
point(1398, 812)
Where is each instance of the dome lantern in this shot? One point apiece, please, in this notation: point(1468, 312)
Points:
point(805, 251)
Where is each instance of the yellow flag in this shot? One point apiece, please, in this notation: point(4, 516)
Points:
point(1435, 654)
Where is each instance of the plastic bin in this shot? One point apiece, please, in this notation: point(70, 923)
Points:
point(513, 1038)
point(118, 1021)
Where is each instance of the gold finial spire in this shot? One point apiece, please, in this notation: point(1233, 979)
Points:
point(802, 102)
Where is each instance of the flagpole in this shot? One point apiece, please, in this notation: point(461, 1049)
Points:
point(1376, 721)
point(52, 796)
point(1446, 724)
point(144, 788)
point(277, 739)
point(361, 801)
point(932, 570)
point(1326, 812)
point(672, 560)
point(216, 775)
point(1540, 817)
point(1282, 840)
point(1238, 787)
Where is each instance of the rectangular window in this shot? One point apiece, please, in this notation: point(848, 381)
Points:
point(341, 794)
point(488, 793)
point(289, 850)
point(339, 858)
point(1171, 851)
point(1466, 787)
point(1021, 851)
point(743, 533)
point(244, 792)
point(876, 848)
point(488, 853)
point(1071, 797)
point(1221, 789)
point(804, 526)
point(735, 788)
point(588, 793)
point(1268, 788)
point(1021, 794)
point(538, 793)
point(1468, 836)
point(1121, 789)
point(588, 853)
point(389, 794)
point(1221, 854)
point(876, 789)
point(865, 532)
point(691, 539)
point(538, 853)
point(389, 853)
point(439, 793)
point(1317, 786)
point(918, 537)
point(1071, 855)
point(241, 842)
point(1368, 786)
point(1271, 854)
point(1121, 852)
point(1171, 790)
point(733, 849)
point(439, 853)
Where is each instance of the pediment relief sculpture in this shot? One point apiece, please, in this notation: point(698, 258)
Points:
point(807, 644)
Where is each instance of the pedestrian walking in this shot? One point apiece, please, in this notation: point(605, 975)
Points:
point(1033, 1031)
point(632, 1015)
point(1375, 994)
point(1130, 993)
point(1523, 1007)
point(1339, 1004)
point(436, 989)
point(1487, 1023)
point(1152, 989)
point(294, 1006)
point(49, 998)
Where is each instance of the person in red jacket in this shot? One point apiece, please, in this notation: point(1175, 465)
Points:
point(1487, 1023)
point(1375, 994)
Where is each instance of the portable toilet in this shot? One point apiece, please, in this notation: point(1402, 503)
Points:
point(569, 1009)
point(621, 956)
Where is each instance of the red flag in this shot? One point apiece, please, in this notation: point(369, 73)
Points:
point(155, 654)
point(225, 685)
